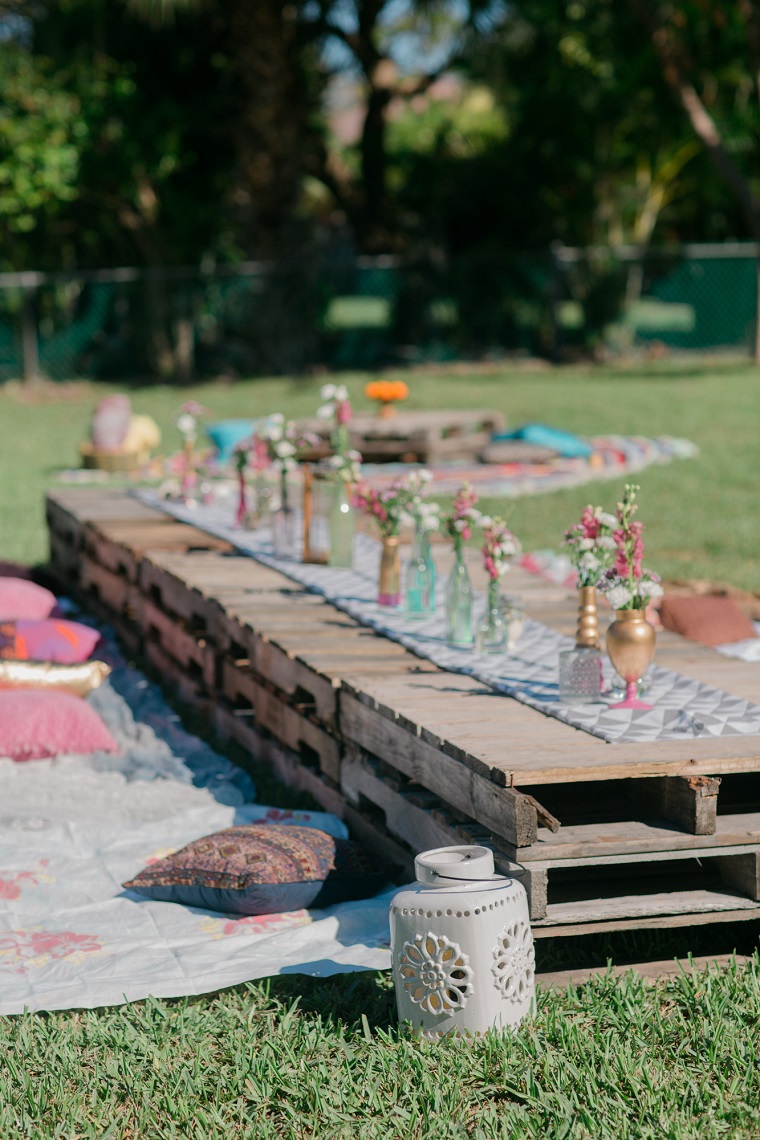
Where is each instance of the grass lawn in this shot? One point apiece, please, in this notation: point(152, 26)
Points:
point(701, 514)
point(299, 1057)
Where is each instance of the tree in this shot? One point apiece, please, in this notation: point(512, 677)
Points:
point(709, 55)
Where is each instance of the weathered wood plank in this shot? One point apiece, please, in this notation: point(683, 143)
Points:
point(691, 801)
point(503, 810)
point(670, 903)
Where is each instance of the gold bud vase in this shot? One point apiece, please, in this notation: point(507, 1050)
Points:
point(587, 630)
point(389, 588)
point(630, 646)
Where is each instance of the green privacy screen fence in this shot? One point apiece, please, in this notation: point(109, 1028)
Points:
point(346, 312)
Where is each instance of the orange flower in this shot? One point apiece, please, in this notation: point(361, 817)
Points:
point(386, 391)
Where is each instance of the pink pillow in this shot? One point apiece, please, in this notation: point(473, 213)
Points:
point(64, 642)
point(35, 724)
point(22, 599)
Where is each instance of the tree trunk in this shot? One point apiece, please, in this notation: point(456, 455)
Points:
point(273, 124)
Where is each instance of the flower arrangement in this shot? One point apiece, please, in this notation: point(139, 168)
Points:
point(389, 506)
point(590, 545)
point(344, 462)
point(186, 421)
point(387, 393)
point(463, 517)
point(499, 547)
point(628, 585)
point(425, 515)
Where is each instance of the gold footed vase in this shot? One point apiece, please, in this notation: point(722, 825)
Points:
point(630, 646)
point(587, 630)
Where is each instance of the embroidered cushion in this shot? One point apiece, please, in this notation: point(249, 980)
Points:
point(263, 869)
point(709, 618)
point(65, 642)
point(35, 724)
point(20, 598)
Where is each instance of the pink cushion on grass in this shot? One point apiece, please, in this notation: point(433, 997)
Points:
point(63, 642)
point(35, 724)
point(23, 599)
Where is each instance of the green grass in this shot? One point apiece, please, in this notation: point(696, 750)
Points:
point(299, 1057)
point(614, 1059)
point(701, 515)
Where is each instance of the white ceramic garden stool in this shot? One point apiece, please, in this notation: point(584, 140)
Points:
point(461, 945)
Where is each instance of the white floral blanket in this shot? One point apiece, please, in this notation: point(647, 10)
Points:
point(74, 828)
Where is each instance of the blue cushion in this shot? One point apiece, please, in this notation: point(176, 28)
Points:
point(563, 442)
point(226, 434)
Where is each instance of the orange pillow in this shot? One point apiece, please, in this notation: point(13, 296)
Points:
point(709, 618)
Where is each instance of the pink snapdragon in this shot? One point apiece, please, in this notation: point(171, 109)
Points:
point(389, 506)
point(463, 516)
point(499, 547)
point(628, 584)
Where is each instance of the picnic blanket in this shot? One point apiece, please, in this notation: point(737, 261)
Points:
point(73, 829)
point(612, 456)
point(681, 707)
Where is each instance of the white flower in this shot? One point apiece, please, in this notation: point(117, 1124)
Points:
point(606, 519)
point(186, 424)
point(335, 461)
point(460, 525)
point(328, 392)
point(325, 412)
point(284, 449)
point(588, 561)
point(619, 597)
point(341, 393)
point(606, 542)
point(486, 520)
point(586, 544)
point(649, 589)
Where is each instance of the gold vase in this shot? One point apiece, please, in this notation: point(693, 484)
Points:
point(587, 630)
point(389, 588)
point(630, 646)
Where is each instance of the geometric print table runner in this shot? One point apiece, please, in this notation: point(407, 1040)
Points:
point(682, 708)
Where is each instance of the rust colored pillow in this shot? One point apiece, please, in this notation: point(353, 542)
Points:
point(64, 642)
point(709, 618)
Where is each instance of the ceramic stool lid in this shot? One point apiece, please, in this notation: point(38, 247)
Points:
point(446, 866)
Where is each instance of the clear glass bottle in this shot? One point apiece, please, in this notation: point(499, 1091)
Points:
point(342, 526)
point(284, 523)
point(419, 579)
point(493, 628)
point(459, 604)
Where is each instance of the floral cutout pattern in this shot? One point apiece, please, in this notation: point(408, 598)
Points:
point(435, 973)
point(514, 965)
point(22, 950)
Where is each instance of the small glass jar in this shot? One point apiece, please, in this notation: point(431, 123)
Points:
point(493, 628)
point(513, 607)
point(419, 580)
point(580, 675)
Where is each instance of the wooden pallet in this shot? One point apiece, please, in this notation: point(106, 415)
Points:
point(418, 436)
point(412, 756)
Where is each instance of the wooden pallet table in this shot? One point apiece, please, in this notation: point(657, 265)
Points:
point(418, 436)
point(622, 836)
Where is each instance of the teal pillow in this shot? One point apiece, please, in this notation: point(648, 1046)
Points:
point(563, 442)
point(226, 434)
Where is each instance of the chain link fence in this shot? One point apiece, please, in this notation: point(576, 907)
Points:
point(365, 313)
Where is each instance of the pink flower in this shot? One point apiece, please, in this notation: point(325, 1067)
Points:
point(343, 412)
